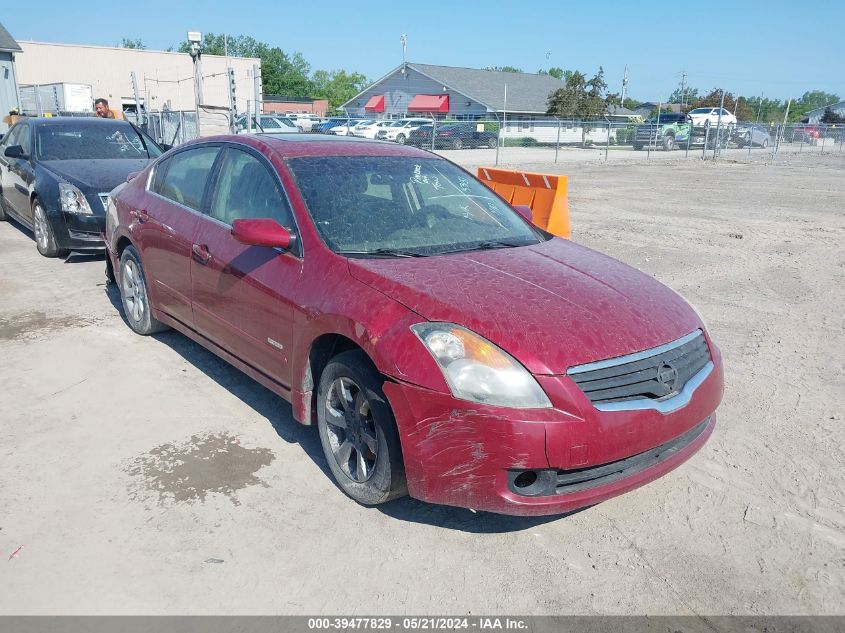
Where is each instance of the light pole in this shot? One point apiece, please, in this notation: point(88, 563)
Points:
point(195, 40)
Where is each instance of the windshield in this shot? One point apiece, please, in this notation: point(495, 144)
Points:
point(701, 111)
point(86, 141)
point(404, 206)
point(667, 118)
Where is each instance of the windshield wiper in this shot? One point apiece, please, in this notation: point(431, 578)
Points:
point(487, 245)
point(384, 252)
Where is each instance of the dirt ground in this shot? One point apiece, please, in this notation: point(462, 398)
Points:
point(143, 475)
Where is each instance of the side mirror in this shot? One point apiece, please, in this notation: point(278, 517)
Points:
point(14, 151)
point(525, 211)
point(132, 175)
point(165, 146)
point(262, 232)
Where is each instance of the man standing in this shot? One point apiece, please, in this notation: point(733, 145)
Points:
point(101, 107)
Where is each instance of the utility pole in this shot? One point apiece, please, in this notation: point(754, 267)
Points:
point(683, 89)
point(624, 86)
point(403, 39)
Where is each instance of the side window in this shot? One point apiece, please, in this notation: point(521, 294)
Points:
point(186, 175)
point(158, 176)
point(247, 189)
point(10, 136)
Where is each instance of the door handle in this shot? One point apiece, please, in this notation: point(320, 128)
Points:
point(200, 254)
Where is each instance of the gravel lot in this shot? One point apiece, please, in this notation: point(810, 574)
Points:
point(143, 475)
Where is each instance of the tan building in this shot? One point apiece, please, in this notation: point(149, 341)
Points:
point(274, 104)
point(164, 79)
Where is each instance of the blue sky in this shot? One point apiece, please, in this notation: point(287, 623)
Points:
point(779, 49)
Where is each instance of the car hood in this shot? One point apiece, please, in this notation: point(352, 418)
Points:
point(95, 176)
point(551, 306)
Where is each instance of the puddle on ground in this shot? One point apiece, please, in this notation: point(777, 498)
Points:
point(28, 324)
point(203, 465)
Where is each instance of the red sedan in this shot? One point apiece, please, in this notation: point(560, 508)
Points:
point(444, 346)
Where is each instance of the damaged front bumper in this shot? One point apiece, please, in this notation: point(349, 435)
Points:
point(542, 461)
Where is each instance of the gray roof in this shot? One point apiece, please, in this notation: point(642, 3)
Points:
point(615, 110)
point(527, 92)
point(832, 106)
point(7, 42)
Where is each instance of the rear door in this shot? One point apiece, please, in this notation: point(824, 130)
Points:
point(243, 295)
point(166, 223)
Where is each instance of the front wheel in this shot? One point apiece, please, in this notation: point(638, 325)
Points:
point(400, 139)
point(457, 144)
point(135, 296)
point(764, 144)
point(45, 237)
point(492, 142)
point(358, 431)
point(668, 143)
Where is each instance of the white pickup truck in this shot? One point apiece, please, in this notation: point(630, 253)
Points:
point(304, 121)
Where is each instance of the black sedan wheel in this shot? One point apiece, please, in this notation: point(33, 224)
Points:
point(492, 142)
point(358, 432)
point(45, 238)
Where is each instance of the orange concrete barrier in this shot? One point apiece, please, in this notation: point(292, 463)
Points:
point(546, 194)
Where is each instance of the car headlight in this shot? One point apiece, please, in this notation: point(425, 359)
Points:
point(477, 370)
point(72, 200)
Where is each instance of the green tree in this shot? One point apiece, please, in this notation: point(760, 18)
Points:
point(580, 98)
point(810, 100)
point(127, 43)
point(687, 95)
point(556, 72)
point(338, 86)
point(504, 69)
point(281, 74)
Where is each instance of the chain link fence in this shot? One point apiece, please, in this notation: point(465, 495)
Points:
point(524, 139)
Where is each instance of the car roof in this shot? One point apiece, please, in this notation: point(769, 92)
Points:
point(299, 145)
point(75, 120)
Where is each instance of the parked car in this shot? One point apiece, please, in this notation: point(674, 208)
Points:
point(369, 129)
point(751, 134)
point(452, 136)
point(668, 131)
point(443, 345)
point(329, 123)
point(304, 121)
point(56, 174)
point(344, 128)
point(804, 134)
point(267, 123)
point(401, 129)
point(710, 116)
point(360, 126)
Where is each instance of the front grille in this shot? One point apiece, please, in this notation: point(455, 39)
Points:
point(657, 374)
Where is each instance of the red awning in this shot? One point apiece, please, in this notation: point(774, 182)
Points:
point(376, 104)
point(429, 103)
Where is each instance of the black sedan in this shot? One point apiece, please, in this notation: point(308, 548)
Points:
point(452, 136)
point(56, 173)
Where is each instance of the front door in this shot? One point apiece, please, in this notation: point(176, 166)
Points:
point(242, 295)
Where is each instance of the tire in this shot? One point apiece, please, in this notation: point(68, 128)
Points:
point(400, 138)
point(457, 144)
point(134, 295)
point(2, 207)
point(492, 143)
point(764, 144)
point(638, 147)
point(668, 142)
point(45, 237)
point(353, 416)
